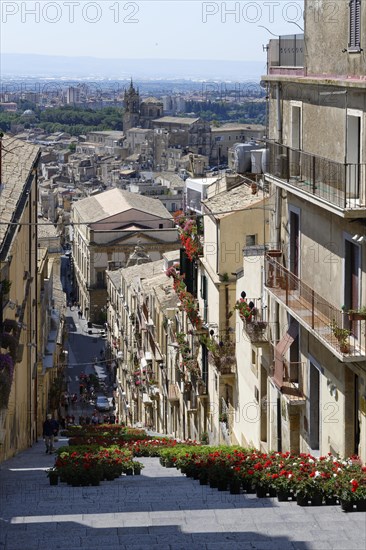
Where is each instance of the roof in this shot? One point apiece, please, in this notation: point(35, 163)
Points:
point(142, 270)
point(172, 177)
point(233, 126)
point(117, 134)
point(227, 202)
point(115, 277)
point(46, 229)
point(115, 201)
point(18, 159)
point(176, 120)
point(134, 157)
point(152, 100)
point(137, 130)
point(154, 279)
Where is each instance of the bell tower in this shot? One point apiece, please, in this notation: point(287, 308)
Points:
point(131, 116)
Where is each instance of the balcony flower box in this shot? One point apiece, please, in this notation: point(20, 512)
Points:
point(357, 314)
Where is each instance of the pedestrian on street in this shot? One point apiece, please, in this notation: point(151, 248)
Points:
point(50, 429)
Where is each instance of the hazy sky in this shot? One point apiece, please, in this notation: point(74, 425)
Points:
point(176, 29)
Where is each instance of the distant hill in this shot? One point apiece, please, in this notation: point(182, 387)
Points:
point(34, 65)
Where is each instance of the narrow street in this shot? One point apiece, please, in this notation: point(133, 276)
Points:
point(85, 349)
point(161, 509)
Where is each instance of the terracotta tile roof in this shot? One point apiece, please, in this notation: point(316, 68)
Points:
point(115, 201)
point(18, 159)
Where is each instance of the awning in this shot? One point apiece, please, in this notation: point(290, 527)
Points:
point(280, 350)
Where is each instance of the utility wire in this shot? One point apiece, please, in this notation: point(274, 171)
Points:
point(102, 222)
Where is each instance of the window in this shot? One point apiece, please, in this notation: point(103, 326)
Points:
point(161, 226)
point(203, 287)
point(204, 364)
point(250, 240)
point(354, 44)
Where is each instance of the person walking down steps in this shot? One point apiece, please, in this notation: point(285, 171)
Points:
point(50, 429)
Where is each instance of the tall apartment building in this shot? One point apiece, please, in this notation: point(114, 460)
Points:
point(316, 400)
point(72, 95)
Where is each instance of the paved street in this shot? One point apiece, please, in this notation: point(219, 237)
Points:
point(161, 509)
point(83, 348)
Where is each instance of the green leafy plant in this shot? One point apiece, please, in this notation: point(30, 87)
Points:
point(341, 334)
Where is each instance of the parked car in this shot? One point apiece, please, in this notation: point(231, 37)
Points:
point(102, 403)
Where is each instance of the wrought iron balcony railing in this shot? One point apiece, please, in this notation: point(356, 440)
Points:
point(330, 325)
point(336, 183)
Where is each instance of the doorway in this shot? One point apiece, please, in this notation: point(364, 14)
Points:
point(314, 407)
point(353, 155)
point(352, 283)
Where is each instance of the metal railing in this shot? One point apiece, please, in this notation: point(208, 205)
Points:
point(222, 355)
point(329, 324)
point(340, 184)
point(255, 326)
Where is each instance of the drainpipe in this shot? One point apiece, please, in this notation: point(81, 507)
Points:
point(279, 113)
point(278, 209)
point(227, 308)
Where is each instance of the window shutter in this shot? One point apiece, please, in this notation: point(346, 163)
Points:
point(203, 287)
point(354, 25)
point(204, 364)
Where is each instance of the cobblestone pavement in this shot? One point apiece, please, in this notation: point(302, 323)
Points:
point(161, 509)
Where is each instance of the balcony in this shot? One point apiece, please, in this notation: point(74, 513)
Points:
point(173, 393)
point(339, 187)
point(256, 331)
point(286, 55)
point(323, 320)
point(222, 354)
point(281, 378)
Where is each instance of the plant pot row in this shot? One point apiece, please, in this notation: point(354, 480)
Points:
point(236, 486)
